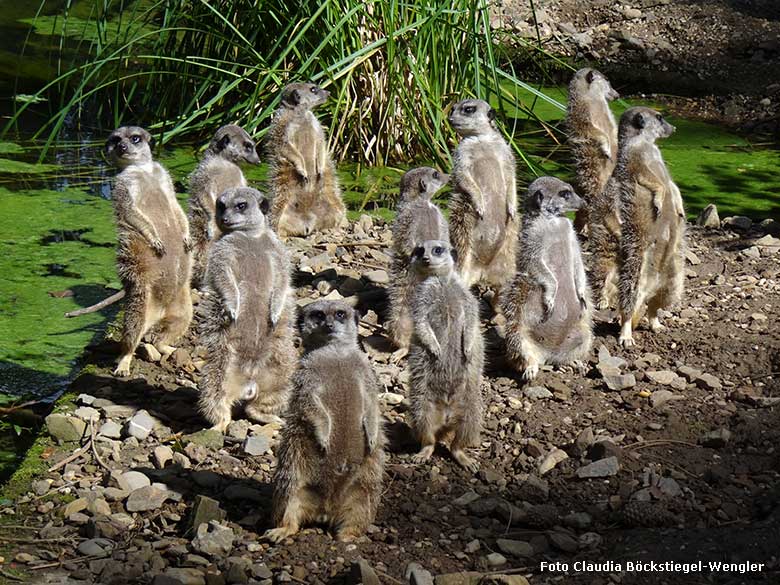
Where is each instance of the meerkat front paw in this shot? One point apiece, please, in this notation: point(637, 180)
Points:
point(656, 325)
point(158, 246)
point(122, 369)
point(398, 355)
point(423, 455)
point(530, 372)
point(465, 461)
point(277, 535)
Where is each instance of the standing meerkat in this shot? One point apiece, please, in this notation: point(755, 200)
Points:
point(417, 221)
point(153, 253)
point(331, 454)
point(592, 136)
point(248, 314)
point(548, 309)
point(217, 172)
point(302, 177)
point(483, 208)
point(446, 357)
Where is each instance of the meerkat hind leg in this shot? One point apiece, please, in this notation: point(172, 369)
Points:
point(302, 507)
point(427, 427)
point(136, 323)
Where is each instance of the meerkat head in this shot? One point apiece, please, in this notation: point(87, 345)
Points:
point(645, 122)
point(326, 322)
point(472, 117)
point(588, 81)
point(242, 209)
point(552, 197)
point(129, 145)
point(433, 258)
point(232, 142)
point(305, 96)
point(422, 182)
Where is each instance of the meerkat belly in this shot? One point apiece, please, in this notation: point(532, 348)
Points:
point(489, 231)
point(663, 242)
point(248, 335)
point(308, 138)
point(347, 438)
point(560, 327)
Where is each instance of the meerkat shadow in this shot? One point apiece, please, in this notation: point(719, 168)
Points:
point(400, 438)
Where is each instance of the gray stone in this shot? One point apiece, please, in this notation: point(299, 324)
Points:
point(96, 547)
point(65, 428)
point(466, 499)
point(709, 382)
point(205, 510)
point(537, 393)
point(213, 539)
point(180, 576)
point(752, 252)
point(717, 438)
point(261, 571)
point(708, 217)
point(496, 559)
point(690, 374)
point(669, 487)
point(563, 541)
point(738, 222)
point(162, 454)
point(602, 468)
point(692, 258)
point(362, 573)
point(256, 445)
point(140, 425)
point(209, 438)
point(377, 276)
point(110, 430)
point(146, 498)
point(99, 507)
point(87, 413)
point(631, 13)
point(620, 382)
point(130, 481)
point(115, 494)
point(661, 397)
point(237, 570)
point(41, 486)
point(118, 410)
point(473, 546)
point(85, 399)
point(417, 575)
point(578, 520)
point(663, 377)
point(238, 429)
point(515, 548)
point(583, 441)
point(391, 398)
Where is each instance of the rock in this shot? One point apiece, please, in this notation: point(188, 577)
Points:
point(209, 438)
point(669, 487)
point(75, 507)
point(609, 364)
point(468, 578)
point(213, 539)
point(261, 571)
point(205, 510)
point(107, 527)
point(162, 454)
point(85, 399)
point(149, 353)
point(391, 398)
point(717, 438)
point(180, 576)
point(25, 558)
point(564, 541)
point(238, 429)
point(661, 397)
point(692, 258)
point(553, 458)
point(416, 575)
point(466, 499)
point(87, 413)
point(578, 520)
point(181, 359)
point(130, 481)
point(631, 13)
point(96, 547)
point(118, 410)
point(237, 570)
point(65, 428)
point(146, 498)
point(257, 445)
point(663, 377)
point(603, 468)
point(496, 559)
point(472, 546)
point(362, 573)
point(483, 506)
point(738, 222)
point(110, 430)
point(583, 441)
point(377, 276)
point(620, 382)
point(709, 382)
point(537, 393)
point(515, 548)
point(690, 374)
point(140, 425)
point(708, 217)
point(752, 252)
point(41, 486)
point(99, 507)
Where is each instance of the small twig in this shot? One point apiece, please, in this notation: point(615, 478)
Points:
point(367, 243)
point(19, 527)
point(76, 454)
point(388, 577)
point(94, 447)
point(8, 575)
point(657, 443)
point(60, 563)
point(34, 540)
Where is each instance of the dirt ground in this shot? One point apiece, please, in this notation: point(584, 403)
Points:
point(695, 474)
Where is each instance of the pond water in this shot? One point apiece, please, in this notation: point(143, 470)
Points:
point(57, 235)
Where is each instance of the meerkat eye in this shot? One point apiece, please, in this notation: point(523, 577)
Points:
point(565, 194)
point(659, 117)
point(248, 145)
point(315, 89)
point(470, 109)
point(436, 175)
point(438, 250)
point(341, 315)
point(241, 206)
point(135, 139)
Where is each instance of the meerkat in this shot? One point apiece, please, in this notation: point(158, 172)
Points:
point(548, 308)
point(302, 177)
point(247, 327)
point(153, 253)
point(483, 208)
point(417, 221)
point(445, 358)
point(639, 167)
point(331, 454)
point(592, 136)
point(217, 171)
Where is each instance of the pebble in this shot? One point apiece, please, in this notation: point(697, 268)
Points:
point(472, 546)
point(25, 558)
point(130, 481)
point(110, 430)
point(146, 498)
point(149, 353)
point(553, 458)
point(256, 445)
point(96, 547)
point(537, 393)
point(515, 548)
point(213, 539)
point(496, 559)
point(620, 382)
point(708, 217)
point(65, 428)
point(205, 510)
point(87, 413)
point(709, 382)
point(377, 276)
point(162, 454)
point(140, 425)
point(602, 468)
point(661, 397)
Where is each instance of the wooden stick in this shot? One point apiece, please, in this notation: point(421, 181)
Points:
point(657, 443)
point(94, 447)
point(76, 454)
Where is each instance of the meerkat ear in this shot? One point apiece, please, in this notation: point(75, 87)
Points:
point(293, 98)
point(423, 186)
point(491, 114)
point(223, 142)
point(357, 318)
point(264, 205)
point(639, 120)
point(537, 198)
point(589, 77)
point(454, 254)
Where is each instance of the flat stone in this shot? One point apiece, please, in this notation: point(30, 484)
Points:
point(752, 252)
point(180, 576)
point(99, 507)
point(146, 498)
point(238, 429)
point(473, 546)
point(75, 507)
point(661, 397)
point(213, 539)
point(690, 374)
point(466, 499)
point(209, 438)
point(261, 571)
point(563, 541)
point(140, 425)
point(130, 481)
point(118, 410)
point(620, 382)
point(692, 258)
point(496, 559)
point(362, 573)
point(65, 428)
point(377, 276)
point(85, 399)
point(256, 445)
point(738, 222)
point(609, 361)
point(717, 438)
point(162, 454)
point(149, 353)
point(96, 547)
point(110, 430)
point(663, 377)
point(669, 487)
point(603, 468)
point(115, 494)
point(205, 510)
point(87, 413)
point(553, 458)
point(515, 548)
point(709, 382)
point(537, 393)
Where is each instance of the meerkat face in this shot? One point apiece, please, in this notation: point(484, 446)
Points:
point(324, 322)
point(129, 145)
point(306, 96)
point(551, 196)
point(646, 122)
point(433, 258)
point(472, 117)
point(242, 209)
point(590, 81)
point(234, 144)
point(423, 181)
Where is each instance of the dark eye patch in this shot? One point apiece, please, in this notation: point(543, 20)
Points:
point(470, 109)
point(565, 193)
point(318, 316)
point(341, 315)
point(221, 205)
point(248, 145)
point(315, 89)
point(241, 205)
point(436, 175)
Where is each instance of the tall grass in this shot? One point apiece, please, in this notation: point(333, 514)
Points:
point(184, 68)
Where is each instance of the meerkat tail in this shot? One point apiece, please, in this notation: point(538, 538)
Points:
point(117, 296)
